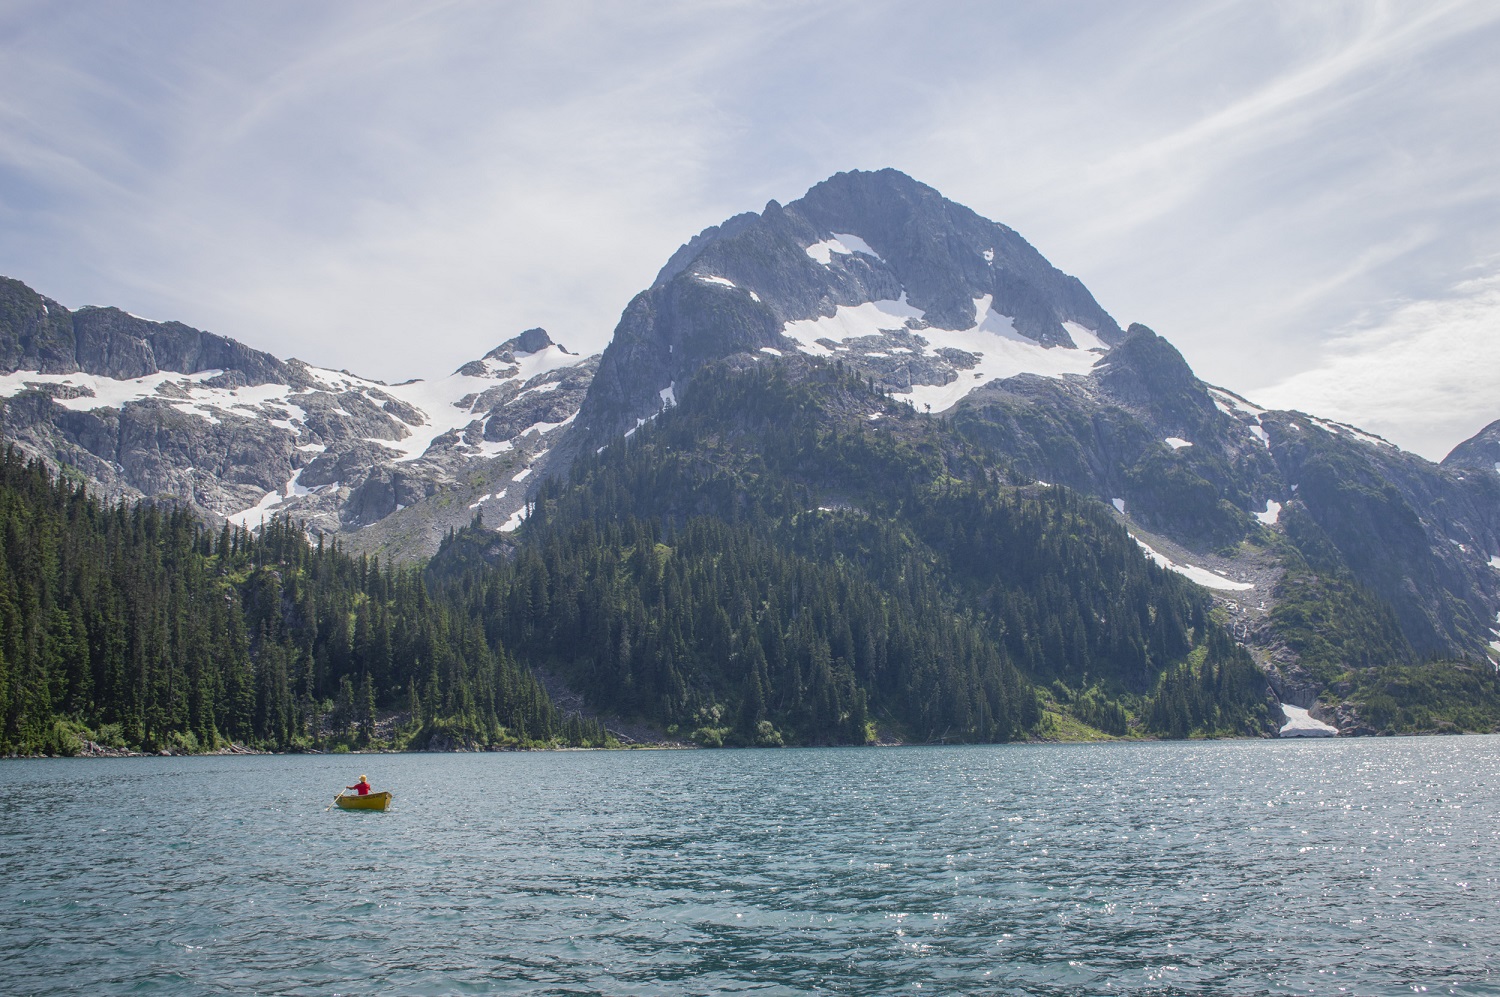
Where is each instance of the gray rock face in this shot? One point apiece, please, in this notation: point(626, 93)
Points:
point(1480, 452)
point(733, 289)
point(945, 256)
point(41, 335)
point(231, 432)
point(1418, 535)
point(530, 341)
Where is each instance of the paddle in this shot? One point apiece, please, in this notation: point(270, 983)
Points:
point(335, 800)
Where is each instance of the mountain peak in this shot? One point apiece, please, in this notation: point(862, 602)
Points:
point(1480, 452)
point(875, 268)
point(531, 341)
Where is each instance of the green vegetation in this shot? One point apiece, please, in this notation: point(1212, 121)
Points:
point(718, 629)
point(1218, 692)
point(1333, 622)
point(137, 627)
point(763, 565)
point(1433, 697)
point(766, 553)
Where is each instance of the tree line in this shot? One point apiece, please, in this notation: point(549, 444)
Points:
point(138, 626)
point(764, 564)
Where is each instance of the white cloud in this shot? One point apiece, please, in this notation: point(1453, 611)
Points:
point(1421, 373)
point(396, 188)
point(416, 186)
point(1241, 177)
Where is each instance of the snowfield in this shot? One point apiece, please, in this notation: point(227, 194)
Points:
point(442, 405)
point(1299, 723)
point(1001, 351)
point(1208, 579)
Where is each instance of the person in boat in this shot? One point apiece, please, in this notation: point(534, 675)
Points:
point(362, 787)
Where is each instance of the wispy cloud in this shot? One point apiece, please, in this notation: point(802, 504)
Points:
point(1245, 177)
point(1421, 373)
point(396, 187)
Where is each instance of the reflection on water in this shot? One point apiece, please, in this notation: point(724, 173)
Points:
point(1356, 866)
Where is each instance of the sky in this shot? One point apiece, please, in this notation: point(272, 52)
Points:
point(1304, 197)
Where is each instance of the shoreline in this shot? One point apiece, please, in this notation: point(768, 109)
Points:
point(240, 750)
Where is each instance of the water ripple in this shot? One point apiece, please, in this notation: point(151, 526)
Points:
point(1361, 867)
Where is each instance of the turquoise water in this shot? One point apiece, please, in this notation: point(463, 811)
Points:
point(1361, 867)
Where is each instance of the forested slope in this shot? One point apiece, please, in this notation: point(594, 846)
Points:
point(788, 555)
point(135, 626)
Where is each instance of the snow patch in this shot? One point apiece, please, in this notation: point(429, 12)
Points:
point(1495, 562)
point(107, 392)
point(436, 399)
point(1229, 402)
point(989, 256)
point(856, 244)
point(1177, 442)
point(540, 389)
point(850, 322)
point(1208, 579)
point(668, 396)
point(1119, 505)
point(256, 514)
point(1260, 434)
point(515, 521)
point(544, 427)
point(711, 279)
point(1272, 513)
point(1344, 429)
point(486, 448)
point(1085, 338)
point(842, 243)
point(1002, 353)
point(521, 476)
point(1299, 723)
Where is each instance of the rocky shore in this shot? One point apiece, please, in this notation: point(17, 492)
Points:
point(93, 749)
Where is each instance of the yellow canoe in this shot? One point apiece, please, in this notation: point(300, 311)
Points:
point(370, 801)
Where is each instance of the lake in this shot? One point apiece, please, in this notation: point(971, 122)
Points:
point(1238, 867)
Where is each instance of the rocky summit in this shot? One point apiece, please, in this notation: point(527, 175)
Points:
point(1299, 526)
point(929, 298)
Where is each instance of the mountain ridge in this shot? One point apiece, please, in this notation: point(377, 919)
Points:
point(1284, 516)
point(165, 411)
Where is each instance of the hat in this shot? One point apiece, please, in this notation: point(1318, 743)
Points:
point(364, 778)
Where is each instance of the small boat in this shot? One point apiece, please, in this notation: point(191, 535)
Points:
point(370, 801)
